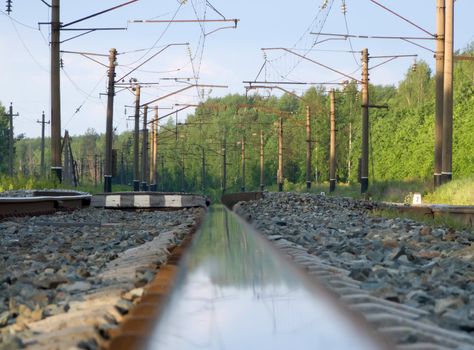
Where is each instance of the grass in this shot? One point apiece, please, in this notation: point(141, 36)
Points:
point(438, 221)
point(29, 183)
point(456, 192)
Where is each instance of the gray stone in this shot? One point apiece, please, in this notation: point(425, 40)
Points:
point(4, 317)
point(76, 287)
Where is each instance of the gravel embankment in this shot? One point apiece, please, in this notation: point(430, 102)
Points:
point(396, 259)
point(72, 270)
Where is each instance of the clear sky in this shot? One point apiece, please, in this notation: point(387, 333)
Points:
point(224, 57)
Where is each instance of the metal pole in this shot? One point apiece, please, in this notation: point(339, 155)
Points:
point(56, 164)
point(280, 155)
point(364, 170)
point(144, 149)
point(42, 122)
point(308, 148)
point(109, 132)
point(162, 180)
point(182, 170)
point(224, 163)
point(262, 162)
point(349, 161)
point(96, 164)
point(136, 142)
point(438, 146)
point(447, 157)
point(154, 124)
point(10, 141)
point(332, 147)
point(242, 186)
point(203, 171)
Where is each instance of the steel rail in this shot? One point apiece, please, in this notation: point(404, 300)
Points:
point(43, 202)
point(233, 290)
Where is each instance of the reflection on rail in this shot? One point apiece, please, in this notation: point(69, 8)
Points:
point(235, 292)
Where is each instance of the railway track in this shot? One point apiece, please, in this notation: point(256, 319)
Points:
point(42, 202)
point(234, 291)
point(228, 289)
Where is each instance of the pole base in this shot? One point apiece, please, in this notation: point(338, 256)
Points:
point(364, 185)
point(153, 187)
point(332, 185)
point(57, 174)
point(144, 186)
point(308, 185)
point(446, 177)
point(437, 180)
point(280, 187)
point(262, 188)
point(107, 184)
point(136, 185)
point(242, 189)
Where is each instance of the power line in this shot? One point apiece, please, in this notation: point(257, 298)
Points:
point(344, 11)
point(159, 37)
point(26, 47)
point(403, 18)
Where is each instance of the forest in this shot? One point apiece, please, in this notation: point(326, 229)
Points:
point(191, 154)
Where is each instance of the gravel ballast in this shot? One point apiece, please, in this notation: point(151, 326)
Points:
point(64, 276)
point(400, 260)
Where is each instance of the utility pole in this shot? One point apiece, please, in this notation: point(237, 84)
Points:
point(162, 180)
point(349, 161)
point(364, 167)
point(10, 139)
point(136, 142)
point(242, 144)
point(56, 164)
point(153, 152)
point(262, 162)
point(280, 155)
point(439, 55)
point(203, 170)
point(43, 122)
point(447, 157)
point(308, 148)
point(224, 163)
point(96, 170)
point(109, 132)
point(182, 170)
point(144, 149)
point(332, 147)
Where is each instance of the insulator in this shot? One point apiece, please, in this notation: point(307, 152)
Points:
point(9, 6)
point(344, 7)
point(325, 4)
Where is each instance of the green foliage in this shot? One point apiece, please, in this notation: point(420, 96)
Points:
point(191, 155)
point(25, 183)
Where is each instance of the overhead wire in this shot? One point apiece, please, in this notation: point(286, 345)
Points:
point(18, 22)
point(327, 9)
point(344, 11)
point(88, 95)
point(26, 47)
point(159, 37)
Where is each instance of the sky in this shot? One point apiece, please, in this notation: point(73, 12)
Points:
point(225, 57)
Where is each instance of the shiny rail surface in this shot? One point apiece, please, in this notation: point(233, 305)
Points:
point(234, 290)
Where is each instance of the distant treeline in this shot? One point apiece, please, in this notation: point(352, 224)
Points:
point(190, 155)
